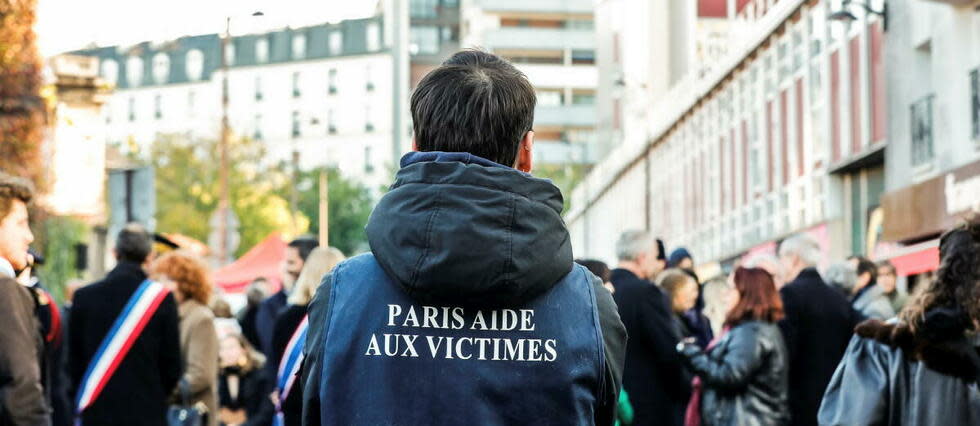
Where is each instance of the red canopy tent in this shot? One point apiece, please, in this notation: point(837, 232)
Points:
point(263, 260)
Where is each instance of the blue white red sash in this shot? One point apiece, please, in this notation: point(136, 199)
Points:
point(116, 344)
point(289, 365)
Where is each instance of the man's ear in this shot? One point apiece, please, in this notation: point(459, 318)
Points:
point(415, 145)
point(525, 153)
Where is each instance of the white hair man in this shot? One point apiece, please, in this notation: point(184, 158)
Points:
point(771, 264)
point(818, 325)
point(654, 375)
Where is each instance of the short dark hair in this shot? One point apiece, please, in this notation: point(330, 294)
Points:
point(304, 245)
point(13, 188)
point(597, 267)
point(475, 102)
point(134, 243)
point(866, 266)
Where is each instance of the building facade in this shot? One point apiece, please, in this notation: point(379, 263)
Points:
point(932, 166)
point(763, 146)
point(553, 43)
point(317, 95)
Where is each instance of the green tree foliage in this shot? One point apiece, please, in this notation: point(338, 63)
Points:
point(564, 176)
point(21, 106)
point(350, 206)
point(187, 185)
point(61, 234)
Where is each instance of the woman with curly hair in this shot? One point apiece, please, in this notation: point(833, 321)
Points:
point(188, 279)
point(922, 369)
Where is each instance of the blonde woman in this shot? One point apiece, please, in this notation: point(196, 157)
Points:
point(290, 326)
point(188, 279)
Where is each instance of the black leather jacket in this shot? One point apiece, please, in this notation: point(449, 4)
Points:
point(745, 377)
point(890, 377)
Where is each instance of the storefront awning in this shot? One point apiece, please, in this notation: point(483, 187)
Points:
point(917, 262)
point(263, 260)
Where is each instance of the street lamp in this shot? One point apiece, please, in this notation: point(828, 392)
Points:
point(845, 15)
point(225, 213)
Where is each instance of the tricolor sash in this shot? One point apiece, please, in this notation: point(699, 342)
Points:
point(289, 365)
point(116, 344)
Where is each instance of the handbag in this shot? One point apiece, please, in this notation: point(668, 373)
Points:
point(185, 413)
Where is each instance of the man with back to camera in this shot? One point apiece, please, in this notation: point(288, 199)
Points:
point(818, 326)
point(654, 375)
point(468, 310)
point(137, 390)
point(22, 400)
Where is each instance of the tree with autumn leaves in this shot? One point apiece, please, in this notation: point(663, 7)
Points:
point(22, 111)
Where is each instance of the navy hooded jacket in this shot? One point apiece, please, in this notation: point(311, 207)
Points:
point(468, 310)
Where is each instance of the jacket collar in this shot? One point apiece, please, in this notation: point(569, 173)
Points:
point(6, 269)
point(127, 269)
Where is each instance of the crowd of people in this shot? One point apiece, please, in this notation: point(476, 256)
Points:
point(469, 309)
point(151, 340)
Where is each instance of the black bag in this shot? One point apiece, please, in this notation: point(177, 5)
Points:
point(186, 414)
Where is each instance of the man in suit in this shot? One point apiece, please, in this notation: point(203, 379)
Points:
point(138, 391)
point(265, 317)
point(654, 375)
point(22, 399)
point(818, 325)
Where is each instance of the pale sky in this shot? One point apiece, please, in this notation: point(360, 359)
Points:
point(64, 25)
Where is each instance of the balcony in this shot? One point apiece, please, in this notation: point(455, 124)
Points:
point(539, 38)
point(538, 6)
point(565, 115)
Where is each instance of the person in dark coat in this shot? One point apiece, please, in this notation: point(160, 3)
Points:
point(254, 296)
point(682, 292)
point(139, 390)
point(923, 369)
point(242, 385)
point(265, 318)
point(465, 235)
point(744, 376)
point(654, 375)
point(698, 324)
point(819, 322)
point(22, 399)
point(319, 262)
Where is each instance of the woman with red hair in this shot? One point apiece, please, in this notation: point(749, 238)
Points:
point(743, 376)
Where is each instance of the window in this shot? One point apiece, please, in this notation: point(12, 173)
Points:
point(262, 50)
point(922, 152)
point(332, 81)
point(299, 46)
point(195, 64)
point(161, 67)
point(583, 57)
point(368, 125)
point(583, 98)
point(230, 53)
point(110, 71)
point(368, 163)
point(258, 88)
point(336, 42)
point(756, 164)
point(373, 37)
point(424, 40)
point(132, 108)
point(134, 71)
point(579, 24)
point(424, 8)
point(257, 131)
point(369, 85)
point(296, 91)
point(550, 97)
point(331, 122)
point(296, 130)
point(975, 102)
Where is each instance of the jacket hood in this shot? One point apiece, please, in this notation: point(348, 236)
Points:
point(459, 229)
